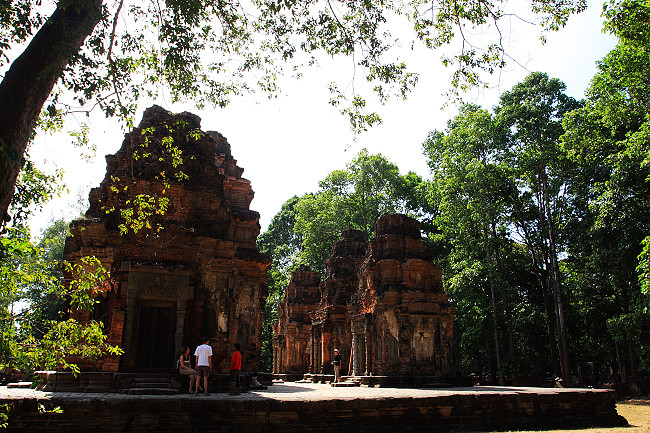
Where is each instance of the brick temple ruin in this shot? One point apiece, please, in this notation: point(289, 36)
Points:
point(201, 274)
point(381, 304)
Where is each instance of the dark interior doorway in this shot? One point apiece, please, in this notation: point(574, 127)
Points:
point(155, 337)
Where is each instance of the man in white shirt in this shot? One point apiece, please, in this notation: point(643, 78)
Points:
point(203, 355)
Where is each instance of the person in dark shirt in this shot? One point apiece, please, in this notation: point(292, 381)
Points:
point(337, 365)
point(235, 369)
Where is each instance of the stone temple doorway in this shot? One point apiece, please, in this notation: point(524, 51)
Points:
point(154, 319)
point(156, 323)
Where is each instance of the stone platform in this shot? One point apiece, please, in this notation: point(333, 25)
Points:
point(311, 407)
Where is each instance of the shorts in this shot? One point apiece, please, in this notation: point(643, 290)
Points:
point(234, 376)
point(186, 372)
point(203, 370)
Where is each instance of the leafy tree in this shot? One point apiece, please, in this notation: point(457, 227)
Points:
point(474, 186)
point(608, 140)
point(33, 188)
point(30, 342)
point(356, 197)
point(280, 242)
point(110, 54)
point(532, 114)
point(501, 183)
point(47, 305)
point(35, 333)
point(629, 21)
point(575, 199)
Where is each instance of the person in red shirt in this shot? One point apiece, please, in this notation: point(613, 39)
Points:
point(235, 368)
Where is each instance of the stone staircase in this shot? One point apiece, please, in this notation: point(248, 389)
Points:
point(150, 385)
point(347, 381)
point(316, 378)
point(329, 379)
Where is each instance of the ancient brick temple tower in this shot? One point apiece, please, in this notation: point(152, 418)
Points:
point(401, 320)
point(382, 305)
point(292, 331)
point(330, 320)
point(200, 274)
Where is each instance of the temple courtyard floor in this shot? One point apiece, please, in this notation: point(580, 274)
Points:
point(312, 407)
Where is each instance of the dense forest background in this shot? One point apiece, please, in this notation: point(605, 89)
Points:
point(538, 209)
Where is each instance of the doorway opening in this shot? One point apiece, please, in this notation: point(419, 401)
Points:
point(155, 336)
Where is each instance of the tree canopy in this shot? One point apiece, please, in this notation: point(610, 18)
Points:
point(110, 54)
point(559, 187)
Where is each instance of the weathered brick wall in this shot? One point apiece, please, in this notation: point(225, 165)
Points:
point(476, 410)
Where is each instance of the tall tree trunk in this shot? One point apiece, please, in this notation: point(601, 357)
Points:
point(621, 366)
point(563, 342)
point(506, 303)
point(30, 79)
point(550, 327)
point(542, 275)
point(631, 353)
point(496, 335)
point(495, 322)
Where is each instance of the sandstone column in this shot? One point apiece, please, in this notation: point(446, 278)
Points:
point(180, 325)
point(275, 359)
point(355, 355)
point(368, 354)
point(325, 350)
point(129, 351)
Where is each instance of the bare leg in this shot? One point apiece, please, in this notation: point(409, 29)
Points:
point(205, 384)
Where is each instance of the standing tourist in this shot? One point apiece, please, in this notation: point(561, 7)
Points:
point(337, 366)
point(235, 368)
point(203, 355)
point(185, 366)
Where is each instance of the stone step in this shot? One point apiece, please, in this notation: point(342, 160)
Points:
point(345, 384)
point(150, 385)
point(19, 385)
point(151, 391)
point(147, 379)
